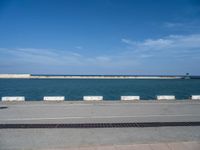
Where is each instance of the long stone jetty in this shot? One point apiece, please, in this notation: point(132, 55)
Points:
point(30, 76)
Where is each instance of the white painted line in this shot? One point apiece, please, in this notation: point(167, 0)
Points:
point(99, 117)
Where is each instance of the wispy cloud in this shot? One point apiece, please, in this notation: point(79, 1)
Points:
point(173, 24)
point(173, 46)
point(79, 47)
point(192, 26)
point(127, 41)
point(54, 57)
point(170, 45)
point(173, 53)
point(41, 56)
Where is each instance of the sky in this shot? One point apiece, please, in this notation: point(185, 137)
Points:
point(120, 37)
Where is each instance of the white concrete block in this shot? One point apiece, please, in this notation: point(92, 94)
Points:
point(13, 98)
point(195, 97)
point(129, 98)
point(53, 98)
point(15, 75)
point(166, 97)
point(92, 98)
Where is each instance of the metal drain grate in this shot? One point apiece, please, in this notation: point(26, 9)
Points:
point(3, 107)
point(100, 125)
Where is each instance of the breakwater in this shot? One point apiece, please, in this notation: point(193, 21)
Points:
point(30, 76)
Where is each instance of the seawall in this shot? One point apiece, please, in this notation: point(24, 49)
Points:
point(29, 76)
point(15, 75)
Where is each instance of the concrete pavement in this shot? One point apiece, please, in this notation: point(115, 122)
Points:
point(158, 146)
point(99, 112)
point(100, 138)
point(26, 139)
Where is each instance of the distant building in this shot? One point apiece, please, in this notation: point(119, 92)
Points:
point(187, 76)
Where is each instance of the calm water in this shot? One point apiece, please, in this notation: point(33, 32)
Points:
point(75, 89)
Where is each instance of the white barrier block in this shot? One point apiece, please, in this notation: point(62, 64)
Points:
point(53, 98)
point(92, 98)
point(129, 98)
point(195, 97)
point(13, 98)
point(166, 97)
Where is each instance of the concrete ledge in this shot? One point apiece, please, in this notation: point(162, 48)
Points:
point(15, 75)
point(53, 98)
point(13, 98)
point(195, 97)
point(92, 98)
point(166, 97)
point(129, 98)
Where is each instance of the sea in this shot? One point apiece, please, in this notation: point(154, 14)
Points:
point(110, 89)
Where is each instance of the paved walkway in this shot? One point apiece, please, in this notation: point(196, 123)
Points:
point(100, 112)
point(158, 146)
point(152, 138)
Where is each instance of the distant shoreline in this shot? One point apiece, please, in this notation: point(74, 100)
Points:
point(30, 76)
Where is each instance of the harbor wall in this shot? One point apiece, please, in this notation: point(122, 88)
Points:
point(15, 75)
point(29, 76)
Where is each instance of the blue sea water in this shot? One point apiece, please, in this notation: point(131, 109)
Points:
point(111, 89)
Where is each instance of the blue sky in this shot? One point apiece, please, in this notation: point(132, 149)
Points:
point(100, 36)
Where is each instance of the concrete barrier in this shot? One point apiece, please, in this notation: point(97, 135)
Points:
point(13, 98)
point(15, 75)
point(92, 98)
point(166, 97)
point(129, 98)
point(53, 98)
point(195, 97)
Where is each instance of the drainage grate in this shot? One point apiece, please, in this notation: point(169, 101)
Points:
point(3, 107)
point(101, 125)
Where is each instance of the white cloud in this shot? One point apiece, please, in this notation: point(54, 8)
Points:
point(103, 58)
point(189, 26)
point(53, 57)
point(173, 24)
point(173, 45)
point(172, 51)
point(127, 41)
point(79, 47)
